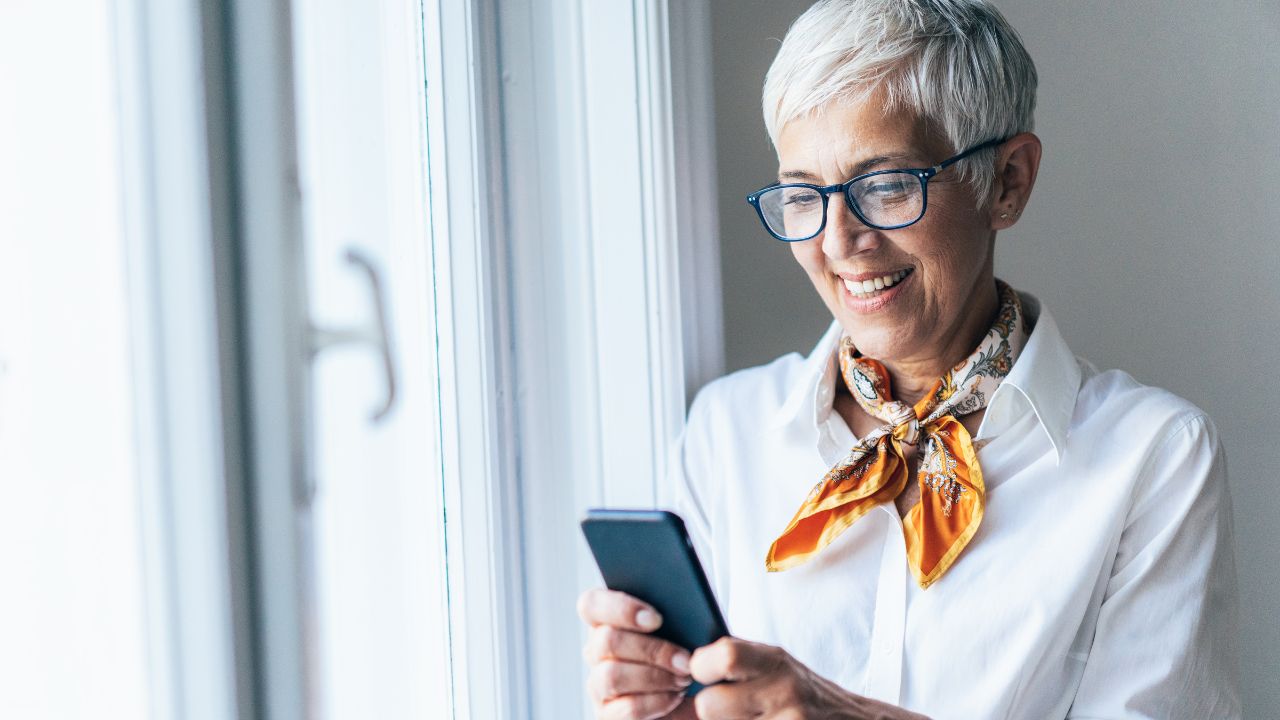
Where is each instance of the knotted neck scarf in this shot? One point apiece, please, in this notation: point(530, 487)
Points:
point(952, 493)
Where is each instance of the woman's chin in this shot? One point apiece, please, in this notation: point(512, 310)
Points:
point(884, 344)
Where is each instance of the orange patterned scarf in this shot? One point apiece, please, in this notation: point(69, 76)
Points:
point(875, 471)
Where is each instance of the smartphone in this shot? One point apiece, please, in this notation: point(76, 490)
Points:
point(648, 554)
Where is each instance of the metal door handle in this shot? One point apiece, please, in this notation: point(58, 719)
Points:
point(373, 333)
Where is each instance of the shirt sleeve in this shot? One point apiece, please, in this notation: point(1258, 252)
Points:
point(1165, 644)
point(680, 491)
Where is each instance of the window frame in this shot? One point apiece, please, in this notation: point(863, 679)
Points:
point(607, 153)
point(192, 502)
point(476, 407)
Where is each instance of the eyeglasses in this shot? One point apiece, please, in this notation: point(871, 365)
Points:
point(884, 199)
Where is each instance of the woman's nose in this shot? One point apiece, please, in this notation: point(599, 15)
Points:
point(845, 235)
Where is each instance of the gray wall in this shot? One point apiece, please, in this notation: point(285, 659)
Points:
point(1153, 233)
point(769, 305)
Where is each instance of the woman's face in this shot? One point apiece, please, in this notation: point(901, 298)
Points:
point(937, 312)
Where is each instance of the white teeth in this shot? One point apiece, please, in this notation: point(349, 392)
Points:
point(865, 288)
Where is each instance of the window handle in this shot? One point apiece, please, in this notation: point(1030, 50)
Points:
point(372, 333)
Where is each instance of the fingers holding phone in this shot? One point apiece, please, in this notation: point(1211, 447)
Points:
point(633, 674)
point(658, 608)
point(607, 642)
point(599, 606)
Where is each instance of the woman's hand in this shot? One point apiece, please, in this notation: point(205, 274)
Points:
point(762, 681)
point(634, 676)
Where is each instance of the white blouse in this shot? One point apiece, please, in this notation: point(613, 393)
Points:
point(1101, 583)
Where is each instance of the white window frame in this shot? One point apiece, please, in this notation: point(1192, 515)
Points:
point(190, 482)
point(613, 267)
point(486, 606)
point(214, 225)
point(530, 228)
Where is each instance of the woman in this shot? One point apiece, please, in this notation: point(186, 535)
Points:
point(997, 528)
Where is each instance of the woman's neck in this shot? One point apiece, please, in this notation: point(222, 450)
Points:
point(913, 378)
point(912, 381)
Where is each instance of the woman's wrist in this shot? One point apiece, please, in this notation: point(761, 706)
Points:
point(746, 679)
point(845, 705)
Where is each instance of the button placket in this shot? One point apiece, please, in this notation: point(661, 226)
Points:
point(823, 410)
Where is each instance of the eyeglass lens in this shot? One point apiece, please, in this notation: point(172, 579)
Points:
point(885, 200)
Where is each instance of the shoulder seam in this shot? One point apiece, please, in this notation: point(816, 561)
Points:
point(1144, 475)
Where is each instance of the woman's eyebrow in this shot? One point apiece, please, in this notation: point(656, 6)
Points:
point(902, 159)
point(797, 175)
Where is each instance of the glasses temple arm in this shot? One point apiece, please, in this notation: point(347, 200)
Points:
point(976, 148)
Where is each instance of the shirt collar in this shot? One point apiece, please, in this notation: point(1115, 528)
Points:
point(1046, 374)
point(816, 373)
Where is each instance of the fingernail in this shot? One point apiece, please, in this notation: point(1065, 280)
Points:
point(684, 682)
point(648, 619)
point(680, 661)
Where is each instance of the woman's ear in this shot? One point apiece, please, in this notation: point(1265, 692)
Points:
point(1017, 162)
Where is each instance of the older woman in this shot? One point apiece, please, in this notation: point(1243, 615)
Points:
point(941, 510)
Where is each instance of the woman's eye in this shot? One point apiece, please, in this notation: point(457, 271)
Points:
point(888, 189)
point(802, 198)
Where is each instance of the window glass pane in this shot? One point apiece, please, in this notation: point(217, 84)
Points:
point(73, 622)
point(379, 644)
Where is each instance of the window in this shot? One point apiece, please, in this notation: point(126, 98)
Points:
point(70, 541)
point(341, 344)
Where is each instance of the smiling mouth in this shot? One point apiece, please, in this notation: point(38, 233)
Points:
point(865, 289)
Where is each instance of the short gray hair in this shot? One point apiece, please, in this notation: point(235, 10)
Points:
point(957, 64)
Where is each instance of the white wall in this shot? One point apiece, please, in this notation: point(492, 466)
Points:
point(1152, 233)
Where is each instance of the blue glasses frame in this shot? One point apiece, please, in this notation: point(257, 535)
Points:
point(922, 174)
